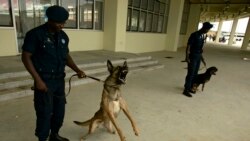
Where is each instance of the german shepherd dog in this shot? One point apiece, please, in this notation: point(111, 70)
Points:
point(111, 103)
point(203, 78)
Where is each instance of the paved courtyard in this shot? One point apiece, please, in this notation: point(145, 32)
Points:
point(220, 113)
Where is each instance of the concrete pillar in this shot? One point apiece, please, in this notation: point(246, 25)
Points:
point(174, 24)
point(247, 36)
point(115, 17)
point(231, 38)
point(218, 32)
point(193, 20)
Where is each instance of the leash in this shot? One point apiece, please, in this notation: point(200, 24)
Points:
point(97, 79)
point(94, 78)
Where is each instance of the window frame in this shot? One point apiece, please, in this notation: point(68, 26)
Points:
point(92, 16)
point(154, 10)
point(10, 15)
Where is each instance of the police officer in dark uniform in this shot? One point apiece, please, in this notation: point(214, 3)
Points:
point(194, 56)
point(45, 55)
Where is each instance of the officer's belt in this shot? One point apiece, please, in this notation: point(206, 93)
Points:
point(52, 76)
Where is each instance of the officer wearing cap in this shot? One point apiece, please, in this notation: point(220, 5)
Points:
point(45, 55)
point(194, 56)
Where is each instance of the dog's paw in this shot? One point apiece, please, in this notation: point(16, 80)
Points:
point(83, 138)
point(123, 139)
point(136, 132)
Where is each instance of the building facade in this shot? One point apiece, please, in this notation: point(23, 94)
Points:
point(134, 26)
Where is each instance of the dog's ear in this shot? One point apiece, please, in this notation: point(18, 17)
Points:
point(125, 64)
point(110, 66)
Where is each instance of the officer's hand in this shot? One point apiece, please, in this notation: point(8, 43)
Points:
point(81, 74)
point(41, 86)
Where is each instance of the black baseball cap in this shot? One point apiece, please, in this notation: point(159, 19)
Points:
point(207, 25)
point(57, 14)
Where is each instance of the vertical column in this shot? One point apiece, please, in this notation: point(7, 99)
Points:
point(115, 25)
point(174, 24)
point(218, 32)
point(193, 20)
point(231, 38)
point(247, 36)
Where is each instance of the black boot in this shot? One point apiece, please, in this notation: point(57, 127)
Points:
point(56, 137)
point(186, 93)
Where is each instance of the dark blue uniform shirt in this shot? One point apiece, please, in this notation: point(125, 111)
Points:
point(196, 42)
point(49, 51)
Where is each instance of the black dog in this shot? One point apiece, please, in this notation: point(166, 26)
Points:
point(203, 78)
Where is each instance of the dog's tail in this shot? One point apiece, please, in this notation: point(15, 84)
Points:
point(84, 123)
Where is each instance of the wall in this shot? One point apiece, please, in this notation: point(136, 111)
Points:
point(83, 40)
point(174, 23)
point(110, 19)
point(8, 45)
point(193, 22)
point(182, 41)
point(114, 37)
point(139, 42)
point(115, 17)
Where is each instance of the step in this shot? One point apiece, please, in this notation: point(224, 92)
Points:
point(85, 65)
point(23, 91)
point(13, 82)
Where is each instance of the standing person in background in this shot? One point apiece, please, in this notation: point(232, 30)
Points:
point(45, 55)
point(194, 56)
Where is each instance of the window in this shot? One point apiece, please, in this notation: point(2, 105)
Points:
point(150, 5)
point(130, 2)
point(128, 18)
point(86, 14)
point(156, 6)
point(160, 24)
point(91, 14)
point(98, 15)
point(144, 4)
point(165, 24)
point(149, 22)
point(142, 21)
point(134, 20)
point(136, 3)
point(155, 23)
point(162, 8)
point(147, 16)
point(71, 6)
point(5, 13)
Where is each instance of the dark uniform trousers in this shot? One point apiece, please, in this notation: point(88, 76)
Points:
point(50, 106)
point(193, 68)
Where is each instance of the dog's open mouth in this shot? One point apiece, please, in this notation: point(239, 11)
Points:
point(122, 77)
point(214, 72)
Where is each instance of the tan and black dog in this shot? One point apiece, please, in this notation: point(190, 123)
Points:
point(111, 103)
point(203, 78)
